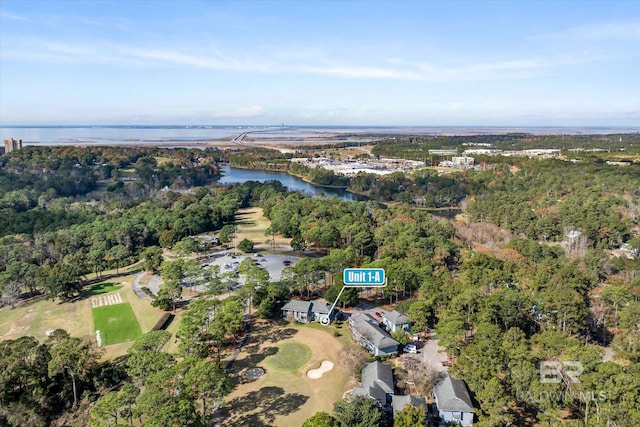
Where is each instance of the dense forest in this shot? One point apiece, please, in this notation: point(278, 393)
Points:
point(544, 265)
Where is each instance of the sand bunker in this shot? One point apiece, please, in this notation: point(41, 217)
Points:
point(325, 366)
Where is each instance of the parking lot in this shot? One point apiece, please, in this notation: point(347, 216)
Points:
point(273, 263)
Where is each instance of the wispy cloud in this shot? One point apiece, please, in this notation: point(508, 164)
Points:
point(12, 16)
point(300, 60)
point(629, 31)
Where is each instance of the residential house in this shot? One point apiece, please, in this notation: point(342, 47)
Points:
point(398, 403)
point(452, 402)
point(377, 383)
point(306, 311)
point(395, 320)
point(370, 335)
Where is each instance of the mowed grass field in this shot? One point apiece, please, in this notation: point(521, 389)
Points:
point(290, 356)
point(117, 323)
point(285, 395)
point(253, 225)
point(36, 317)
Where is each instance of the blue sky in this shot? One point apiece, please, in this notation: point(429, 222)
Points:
point(424, 63)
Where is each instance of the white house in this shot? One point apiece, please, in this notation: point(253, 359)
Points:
point(366, 331)
point(306, 311)
point(395, 320)
point(453, 404)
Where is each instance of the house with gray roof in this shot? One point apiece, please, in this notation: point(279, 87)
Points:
point(377, 384)
point(306, 311)
point(452, 402)
point(394, 320)
point(370, 335)
point(399, 402)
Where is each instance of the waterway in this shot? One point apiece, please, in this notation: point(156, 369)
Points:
point(233, 175)
point(293, 183)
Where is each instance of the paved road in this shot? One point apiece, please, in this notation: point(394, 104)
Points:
point(432, 357)
point(137, 289)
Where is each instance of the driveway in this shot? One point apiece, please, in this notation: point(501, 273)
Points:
point(154, 285)
point(432, 357)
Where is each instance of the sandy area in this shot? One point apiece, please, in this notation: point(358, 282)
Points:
point(317, 373)
point(284, 398)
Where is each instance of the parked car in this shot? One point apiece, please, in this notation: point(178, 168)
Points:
point(410, 348)
point(286, 262)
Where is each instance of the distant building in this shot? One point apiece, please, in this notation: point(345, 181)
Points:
point(11, 144)
point(463, 162)
point(484, 151)
point(443, 152)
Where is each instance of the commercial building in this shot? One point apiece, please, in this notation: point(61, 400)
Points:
point(11, 144)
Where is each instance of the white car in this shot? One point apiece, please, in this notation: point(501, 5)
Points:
point(410, 348)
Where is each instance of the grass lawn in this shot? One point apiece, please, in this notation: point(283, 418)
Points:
point(35, 318)
point(252, 225)
point(290, 356)
point(38, 316)
point(285, 397)
point(103, 288)
point(117, 323)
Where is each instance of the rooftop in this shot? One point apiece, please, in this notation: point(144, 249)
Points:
point(395, 317)
point(452, 395)
point(365, 325)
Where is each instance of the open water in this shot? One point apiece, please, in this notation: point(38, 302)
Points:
point(238, 176)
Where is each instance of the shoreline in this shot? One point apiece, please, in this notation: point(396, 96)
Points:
point(304, 179)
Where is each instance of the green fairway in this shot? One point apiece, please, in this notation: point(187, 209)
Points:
point(117, 323)
point(291, 356)
point(103, 288)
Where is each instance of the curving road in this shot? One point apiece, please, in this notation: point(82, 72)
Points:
point(153, 285)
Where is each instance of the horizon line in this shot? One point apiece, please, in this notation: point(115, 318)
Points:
point(312, 125)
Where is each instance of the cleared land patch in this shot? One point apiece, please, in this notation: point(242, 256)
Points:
point(117, 323)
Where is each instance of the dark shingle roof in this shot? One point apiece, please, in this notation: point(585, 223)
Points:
point(319, 307)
